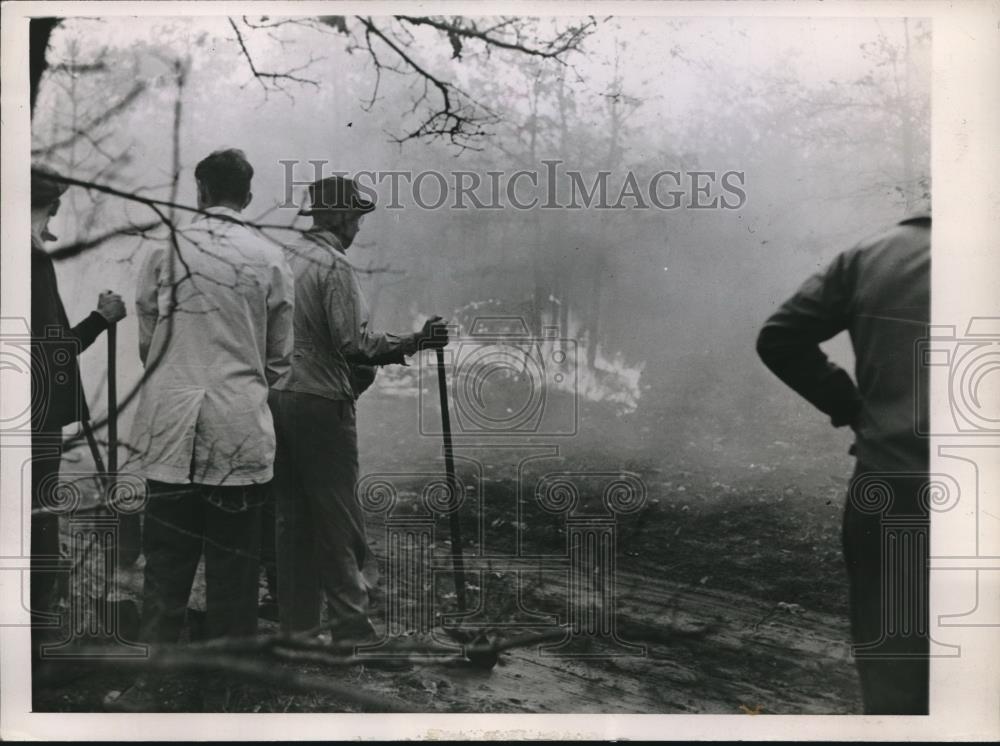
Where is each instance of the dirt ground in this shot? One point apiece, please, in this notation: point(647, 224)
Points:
point(729, 578)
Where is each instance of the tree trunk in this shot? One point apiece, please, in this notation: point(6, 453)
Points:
point(538, 296)
point(39, 31)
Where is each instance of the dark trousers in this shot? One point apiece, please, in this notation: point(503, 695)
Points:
point(46, 450)
point(268, 548)
point(886, 552)
point(181, 523)
point(321, 537)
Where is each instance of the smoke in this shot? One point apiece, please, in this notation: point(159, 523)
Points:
point(654, 312)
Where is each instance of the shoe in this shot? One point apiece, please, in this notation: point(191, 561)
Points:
point(355, 631)
point(268, 609)
point(197, 625)
point(142, 696)
point(385, 662)
point(360, 633)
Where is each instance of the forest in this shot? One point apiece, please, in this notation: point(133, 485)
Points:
point(698, 169)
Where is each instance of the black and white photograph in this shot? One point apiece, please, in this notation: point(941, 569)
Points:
point(493, 360)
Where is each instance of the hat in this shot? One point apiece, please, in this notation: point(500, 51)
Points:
point(46, 187)
point(336, 193)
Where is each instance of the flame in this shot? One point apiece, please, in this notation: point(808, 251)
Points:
point(563, 359)
point(611, 379)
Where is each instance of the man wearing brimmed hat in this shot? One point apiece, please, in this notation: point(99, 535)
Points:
point(321, 531)
point(57, 392)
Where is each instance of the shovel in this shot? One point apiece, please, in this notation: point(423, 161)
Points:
point(129, 537)
point(95, 453)
point(457, 561)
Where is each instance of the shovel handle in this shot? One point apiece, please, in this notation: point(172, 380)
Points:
point(129, 529)
point(112, 400)
point(457, 560)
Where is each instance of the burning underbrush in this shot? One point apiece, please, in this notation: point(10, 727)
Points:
point(504, 376)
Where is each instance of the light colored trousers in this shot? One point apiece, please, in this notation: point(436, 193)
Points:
point(320, 526)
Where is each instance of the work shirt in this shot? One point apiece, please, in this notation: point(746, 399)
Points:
point(57, 397)
point(333, 340)
point(215, 330)
point(879, 291)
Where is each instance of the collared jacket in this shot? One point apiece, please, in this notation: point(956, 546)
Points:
point(215, 330)
point(334, 344)
point(57, 397)
point(879, 292)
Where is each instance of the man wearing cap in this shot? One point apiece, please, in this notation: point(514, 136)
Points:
point(56, 390)
point(320, 526)
point(879, 292)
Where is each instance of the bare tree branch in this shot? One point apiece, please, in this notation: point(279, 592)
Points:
point(79, 247)
point(153, 203)
point(97, 121)
point(385, 269)
point(263, 672)
point(459, 123)
point(78, 68)
point(455, 115)
point(263, 77)
point(463, 28)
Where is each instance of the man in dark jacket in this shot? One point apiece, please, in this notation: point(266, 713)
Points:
point(879, 292)
point(56, 390)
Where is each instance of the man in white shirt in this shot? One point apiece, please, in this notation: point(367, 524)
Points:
point(215, 331)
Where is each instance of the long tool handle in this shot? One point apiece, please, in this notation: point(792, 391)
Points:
point(102, 472)
point(129, 527)
point(457, 560)
point(113, 401)
point(95, 452)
